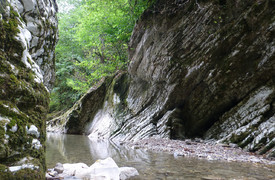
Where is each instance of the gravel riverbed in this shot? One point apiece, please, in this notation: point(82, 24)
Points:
point(210, 150)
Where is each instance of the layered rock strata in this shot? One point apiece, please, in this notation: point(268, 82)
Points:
point(28, 35)
point(197, 69)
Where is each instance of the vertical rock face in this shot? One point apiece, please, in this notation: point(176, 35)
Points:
point(28, 35)
point(198, 64)
point(197, 68)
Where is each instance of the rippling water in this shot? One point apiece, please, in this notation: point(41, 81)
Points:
point(162, 166)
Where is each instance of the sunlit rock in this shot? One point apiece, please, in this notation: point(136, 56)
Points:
point(59, 168)
point(33, 130)
point(105, 169)
point(127, 172)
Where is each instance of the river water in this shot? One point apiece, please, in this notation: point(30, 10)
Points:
point(152, 166)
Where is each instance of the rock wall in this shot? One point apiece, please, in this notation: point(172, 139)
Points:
point(28, 35)
point(197, 69)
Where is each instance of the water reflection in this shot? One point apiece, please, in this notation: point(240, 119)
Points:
point(73, 149)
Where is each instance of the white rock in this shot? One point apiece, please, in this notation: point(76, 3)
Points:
point(24, 166)
point(116, 99)
point(33, 130)
point(59, 168)
point(101, 125)
point(29, 166)
point(79, 170)
point(7, 136)
point(34, 42)
point(14, 128)
point(29, 4)
point(106, 168)
point(33, 28)
point(17, 5)
point(39, 52)
point(36, 144)
point(7, 11)
point(24, 36)
point(127, 172)
point(25, 57)
point(15, 168)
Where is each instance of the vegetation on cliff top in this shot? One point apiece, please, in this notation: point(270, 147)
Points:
point(93, 44)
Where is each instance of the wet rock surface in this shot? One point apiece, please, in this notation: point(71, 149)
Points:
point(199, 148)
point(76, 119)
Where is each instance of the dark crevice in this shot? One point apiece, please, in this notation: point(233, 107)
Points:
point(270, 113)
point(222, 2)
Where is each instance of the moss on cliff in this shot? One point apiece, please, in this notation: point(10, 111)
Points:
point(24, 102)
point(23, 174)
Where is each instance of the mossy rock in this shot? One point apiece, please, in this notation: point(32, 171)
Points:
point(5, 174)
point(23, 174)
point(23, 102)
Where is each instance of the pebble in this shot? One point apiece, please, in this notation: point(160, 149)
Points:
point(212, 178)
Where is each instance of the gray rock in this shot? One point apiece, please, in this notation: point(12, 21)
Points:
point(59, 168)
point(33, 28)
point(53, 173)
point(212, 178)
point(127, 173)
point(29, 5)
point(18, 6)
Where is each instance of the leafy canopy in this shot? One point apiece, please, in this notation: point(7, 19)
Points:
point(93, 37)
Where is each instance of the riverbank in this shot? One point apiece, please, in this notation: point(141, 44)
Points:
point(151, 165)
point(210, 150)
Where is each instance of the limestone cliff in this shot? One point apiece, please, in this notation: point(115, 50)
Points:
point(28, 35)
point(197, 69)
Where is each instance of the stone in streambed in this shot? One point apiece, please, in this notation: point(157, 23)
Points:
point(79, 170)
point(105, 169)
point(212, 178)
point(127, 172)
point(59, 168)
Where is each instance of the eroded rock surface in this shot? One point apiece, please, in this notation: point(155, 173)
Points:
point(28, 35)
point(197, 69)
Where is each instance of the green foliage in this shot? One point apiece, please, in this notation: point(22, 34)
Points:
point(92, 44)
point(103, 30)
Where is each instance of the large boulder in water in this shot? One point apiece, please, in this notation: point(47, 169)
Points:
point(104, 169)
point(28, 35)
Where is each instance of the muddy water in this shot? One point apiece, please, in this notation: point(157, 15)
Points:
point(162, 166)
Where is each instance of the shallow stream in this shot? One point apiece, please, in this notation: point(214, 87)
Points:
point(152, 166)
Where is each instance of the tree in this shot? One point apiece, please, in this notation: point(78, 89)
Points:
point(93, 44)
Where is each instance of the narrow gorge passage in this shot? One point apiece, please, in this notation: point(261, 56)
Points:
point(169, 84)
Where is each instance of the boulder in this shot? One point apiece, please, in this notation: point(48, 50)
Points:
point(127, 172)
point(59, 168)
point(105, 169)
